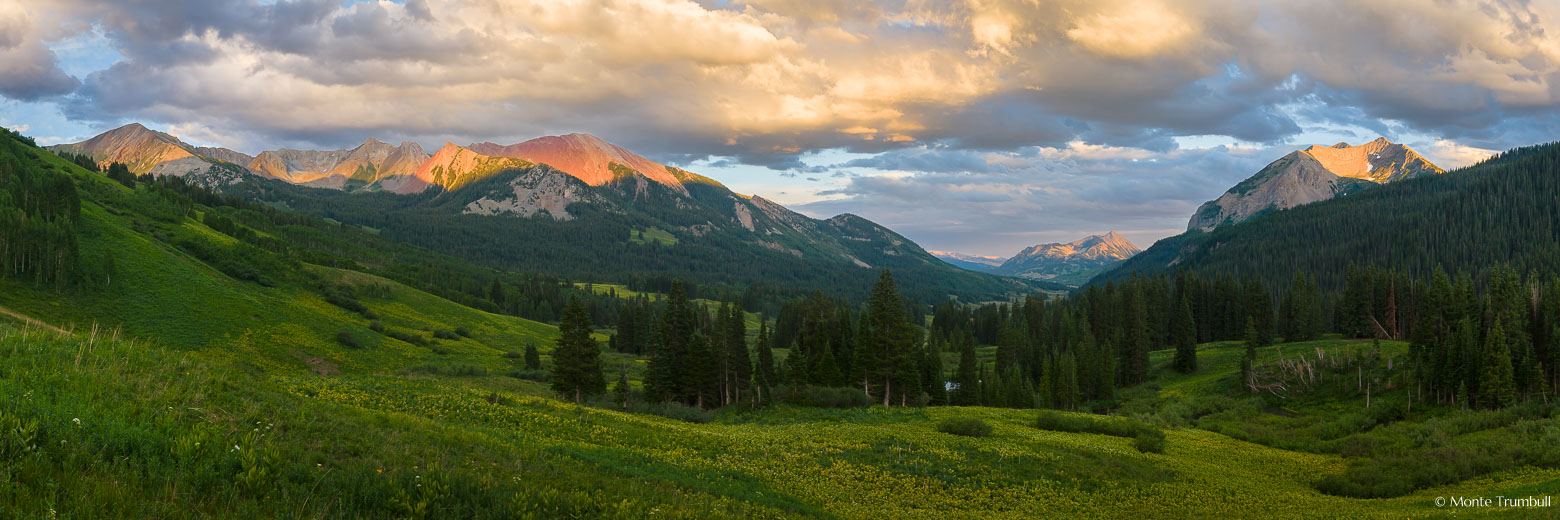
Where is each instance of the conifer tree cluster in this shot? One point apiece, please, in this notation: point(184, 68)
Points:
point(38, 211)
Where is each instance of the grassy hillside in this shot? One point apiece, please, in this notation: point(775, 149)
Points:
point(107, 428)
point(202, 376)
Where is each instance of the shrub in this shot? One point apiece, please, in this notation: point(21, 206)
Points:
point(448, 369)
point(513, 355)
point(445, 334)
point(408, 337)
point(376, 327)
point(824, 396)
point(1112, 426)
point(1149, 443)
point(347, 339)
point(965, 426)
point(463, 331)
point(542, 376)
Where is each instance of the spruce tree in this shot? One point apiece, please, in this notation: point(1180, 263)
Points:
point(1496, 387)
point(864, 360)
point(1135, 350)
point(664, 376)
point(1185, 332)
point(966, 391)
point(934, 381)
point(533, 359)
point(892, 343)
point(577, 360)
point(827, 371)
point(739, 362)
point(701, 377)
point(620, 389)
point(1065, 393)
point(1248, 363)
point(766, 355)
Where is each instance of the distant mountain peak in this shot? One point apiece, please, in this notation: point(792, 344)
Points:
point(1093, 247)
point(1072, 263)
point(454, 166)
point(585, 156)
point(967, 261)
point(1312, 174)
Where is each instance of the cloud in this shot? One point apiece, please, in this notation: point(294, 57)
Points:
point(1034, 111)
point(765, 81)
point(998, 203)
point(1450, 155)
point(28, 69)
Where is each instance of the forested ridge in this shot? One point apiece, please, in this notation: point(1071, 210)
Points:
point(597, 243)
point(1501, 211)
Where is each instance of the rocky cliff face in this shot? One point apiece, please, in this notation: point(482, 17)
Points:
point(1313, 174)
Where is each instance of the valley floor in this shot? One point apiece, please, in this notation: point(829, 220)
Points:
point(101, 427)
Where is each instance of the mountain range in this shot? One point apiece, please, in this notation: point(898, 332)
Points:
point(1072, 263)
point(573, 205)
point(981, 263)
point(1313, 174)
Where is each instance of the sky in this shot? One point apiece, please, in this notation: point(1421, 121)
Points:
point(977, 126)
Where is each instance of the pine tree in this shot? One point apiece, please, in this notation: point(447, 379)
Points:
point(766, 355)
point(864, 360)
point(577, 360)
point(533, 359)
point(701, 378)
point(740, 365)
point(1496, 388)
point(1185, 338)
point(620, 389)
point(1248, 363)
point(892, 343)
point(933, 379)
point(1064, 395)
point(827, 371)
point(797, 372)
point(966, 391)
point(496, 293)
point(664, 377)
point(1107, 368)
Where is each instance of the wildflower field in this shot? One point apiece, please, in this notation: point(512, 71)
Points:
point(101, 427)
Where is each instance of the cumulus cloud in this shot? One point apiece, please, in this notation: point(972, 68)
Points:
point(1024, 197)
point(767, 80)
point(1041, 110)
point(28, 69)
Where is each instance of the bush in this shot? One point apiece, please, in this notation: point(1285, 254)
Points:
point(448, 369)
point(670, 410)
point(445, 334)
point(408, 337)
point(463, 331)
point(1149, 443)
point(1138, 431)
point(542, 376)
point(347, 339)
point(377, 327)
point(823, 396)
point(513, 355)
point(965, 426)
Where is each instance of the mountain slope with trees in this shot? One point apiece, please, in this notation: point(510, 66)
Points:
point(1501, 211)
